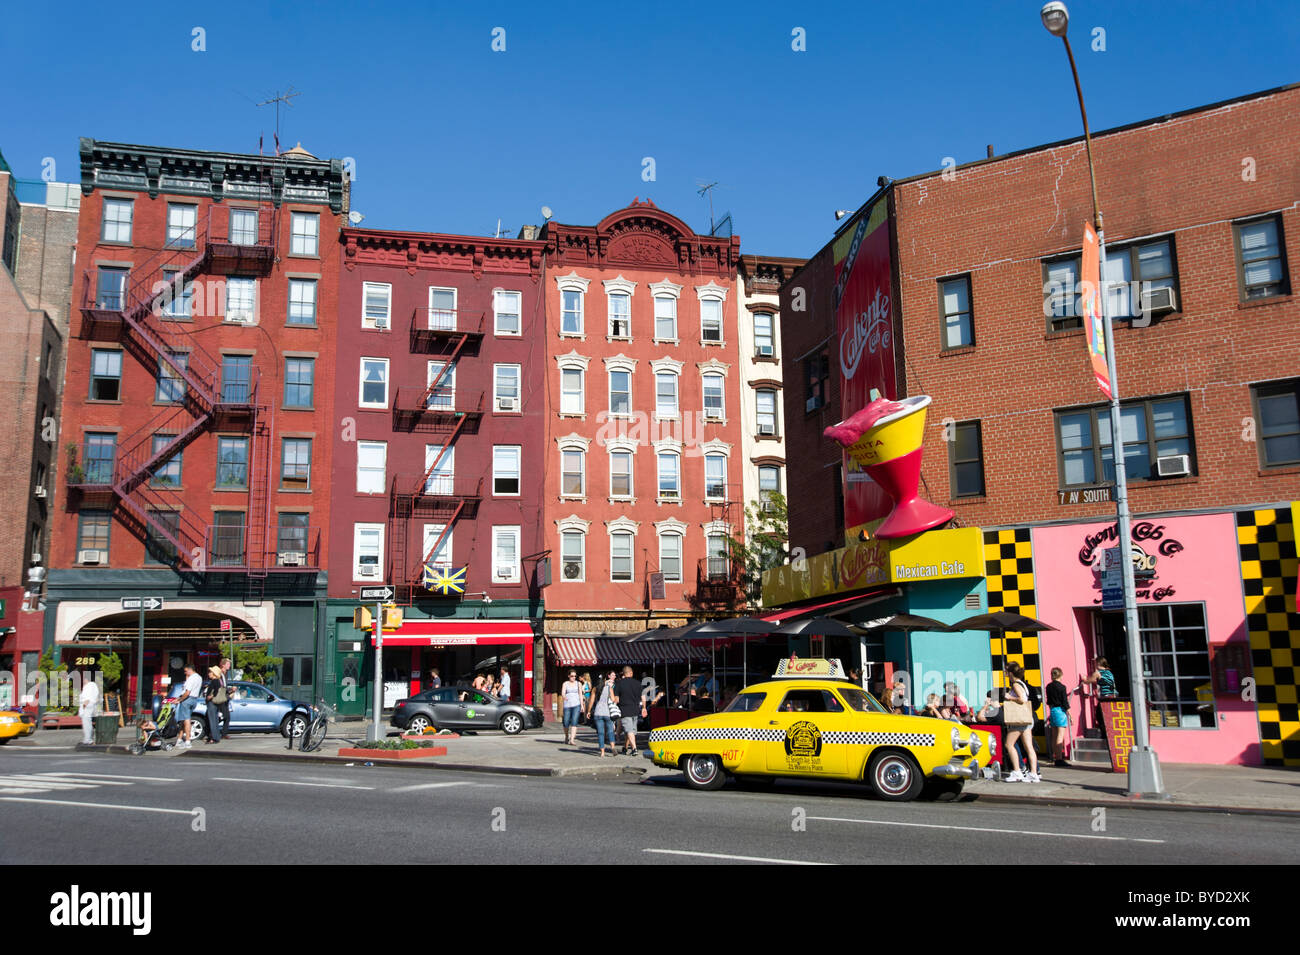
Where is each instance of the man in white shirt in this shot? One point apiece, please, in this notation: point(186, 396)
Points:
point(505, 684)
point(88, 709)
point(186, 702)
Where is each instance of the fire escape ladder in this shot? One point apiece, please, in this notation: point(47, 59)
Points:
point(442, 451)
point(417, 578)
point(258, 496)
point(400, 513)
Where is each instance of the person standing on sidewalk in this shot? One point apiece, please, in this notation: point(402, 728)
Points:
point(571, 697)
point(88, 709)
point(1058, 716)
point(1018, 715)
point(503, 685)
point(216, 695)
point(185, 704)
point(601, 697)
point(632, 708)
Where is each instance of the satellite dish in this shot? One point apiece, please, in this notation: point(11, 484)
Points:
point(355, 217)
point(546, 212)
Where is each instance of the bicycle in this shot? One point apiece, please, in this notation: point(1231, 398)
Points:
point(313, 737)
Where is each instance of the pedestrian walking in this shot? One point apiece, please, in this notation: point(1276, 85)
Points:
point(186, 702)
point(602, 699)
point(88, 709)
point(1018, 717)
point(632, 706)
point(571, 700)
point(223, 706)
point(503, 685)
point(1058, 716)
point(435, 680)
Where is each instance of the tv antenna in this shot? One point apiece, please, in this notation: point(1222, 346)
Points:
point(708, 190)
point(277, 99)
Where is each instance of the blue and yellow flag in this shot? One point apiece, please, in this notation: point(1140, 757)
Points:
point(445, 581)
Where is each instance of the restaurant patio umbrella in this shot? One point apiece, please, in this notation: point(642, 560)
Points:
point(819, 627)
point(729, 626)
point(1000, 622)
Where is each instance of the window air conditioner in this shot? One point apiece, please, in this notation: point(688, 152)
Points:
point(572, 570)
point(1175, 465)
point(765, 351)
point(505, 571)
point(813, 403)
point(507, 404)
point(36, 559)
point(89, 556)
point(712, 414)
point(292, 558)
point(1158, 301)
point(368, 570)
point(39, 492)
point(767, 429)
point(381, 323)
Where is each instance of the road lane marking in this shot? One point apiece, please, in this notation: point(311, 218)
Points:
point(411, 789)
point(96, 805)
point(719, 855)
point(1013, 832)
point(286, 782)
point(152, 779)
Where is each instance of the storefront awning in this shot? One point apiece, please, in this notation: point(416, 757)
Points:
point(596, 651)
point(837, 606)
point(458, 633)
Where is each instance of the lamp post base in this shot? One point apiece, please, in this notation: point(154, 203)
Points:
point(1144, 777)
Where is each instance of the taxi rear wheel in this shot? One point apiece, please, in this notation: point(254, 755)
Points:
point(703, 772)
point(895, 776)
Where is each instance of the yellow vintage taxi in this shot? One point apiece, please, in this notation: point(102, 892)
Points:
point(816, 725)
point(14, 723)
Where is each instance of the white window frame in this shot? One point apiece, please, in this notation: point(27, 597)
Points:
point(676, 455)
point(573, 362)
point(622, 527)
point(705, 375)
point(497, 312)
point(519, 469)
point(573, 282)
point(305, 242)
point(116, 221)
point(430, 534)
point(618, 286)
point(357, 531)
point(446, 473)
point(441, 324)
point(680, 537)
point(581, 494)
point(771, 334)
point(382, 469)
point(665, 290)
point(369, 320)
point(581, 535)
point(447, 390)
point(241, 306)
point(186, 235)
point(668, 366)
point(758, 413)
point(241, 211)
point(620, 363)
point(630, 450)
point(501, 533)
point(717, 456)
point(571, 402)
point(713, 292)
point(296, 282)
point(496, 383)
point(361, 383)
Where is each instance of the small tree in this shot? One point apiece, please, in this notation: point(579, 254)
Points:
point(764, 546)
point(110, 664)
point(256, 663)
point(54, 676)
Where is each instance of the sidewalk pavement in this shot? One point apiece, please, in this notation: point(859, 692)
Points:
point(1211, 788)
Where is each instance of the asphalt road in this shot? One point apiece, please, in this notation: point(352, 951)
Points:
point(131, 810)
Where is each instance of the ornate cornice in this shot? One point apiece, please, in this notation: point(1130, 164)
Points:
point(414, 251)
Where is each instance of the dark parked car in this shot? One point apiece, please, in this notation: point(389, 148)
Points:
point(255, 709)
point(463, 708)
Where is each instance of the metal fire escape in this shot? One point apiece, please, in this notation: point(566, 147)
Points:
point(138, 313)
point(444, 413)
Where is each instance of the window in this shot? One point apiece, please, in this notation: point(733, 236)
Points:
point(966, 461)
point(243, 227)
point(766, 408)
point(440, 465)
point(718, 560)
point(291, 534)
point(670, 557)
point(713, 392)
point(295, 464)
point(620, 393)
point(769, 485)
point(1062, 288)
point(573, 473)
point(1176, 661)
point(620, 556)
point(182, 219)
point(764, 339)
point(442, 308)
point(572, 547)
point(715, 477)
point(367, 551)
point(571, 312)
point(620, 315)
point(955, 312)
point(505, 387)
point(441, 559)
point(92, 532)
point(571, 397)
point(97, 457)
point(158, 549)
point(241, 300)
point(620, 474)
point(236, 379)
point(376, 299)
point(817, 384)
point(374, 383)
point(670, 478)
point(711, 319)
point(1148, 264)
point(444, 396)
point(371, 465)
point(810, 701)
point(506, 309)
point(176, 305)
point(1277, 412)
point(168, 472)
point(232, 463)
point(299, 378)
point(665, 318)
point(505, 554)
point(110, 288)
point(117, 220)
point(105, 374)
point(665, 394)
point(305, 238)
point(1151, 429)
point(506, 460)
point(302, 302)
point(228, 539)
point(1261, 259)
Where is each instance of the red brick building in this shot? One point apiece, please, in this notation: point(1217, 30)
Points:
point(199, 390)
point(440, 400)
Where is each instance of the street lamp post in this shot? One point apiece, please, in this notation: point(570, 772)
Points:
point(1144, 777)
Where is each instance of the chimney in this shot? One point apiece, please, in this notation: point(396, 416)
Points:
point(990, 149)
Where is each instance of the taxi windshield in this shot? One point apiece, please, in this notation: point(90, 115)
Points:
point(860, 700)
point(746, 703)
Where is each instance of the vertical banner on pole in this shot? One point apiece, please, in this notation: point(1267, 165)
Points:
point(1090, 302)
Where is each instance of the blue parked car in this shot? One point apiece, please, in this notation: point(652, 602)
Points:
point(255, 709)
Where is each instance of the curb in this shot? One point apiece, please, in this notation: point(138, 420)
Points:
point(597, 772)
point(1126, 803)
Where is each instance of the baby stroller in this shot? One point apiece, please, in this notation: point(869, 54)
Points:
point(158, 733)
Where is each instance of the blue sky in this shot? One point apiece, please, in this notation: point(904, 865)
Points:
point(448, 135)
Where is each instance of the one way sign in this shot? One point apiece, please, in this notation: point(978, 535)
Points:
point(142, 603)
point(377, 593)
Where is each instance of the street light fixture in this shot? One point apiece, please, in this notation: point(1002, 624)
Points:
point(1144, 777)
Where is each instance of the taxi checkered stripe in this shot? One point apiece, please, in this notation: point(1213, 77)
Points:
point(834, 737)
point(711, 732)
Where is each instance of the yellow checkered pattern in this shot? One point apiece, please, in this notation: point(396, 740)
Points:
point(1009, 579)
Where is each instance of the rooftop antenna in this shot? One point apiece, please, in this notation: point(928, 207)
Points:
point(277, 99)
point(709, 191)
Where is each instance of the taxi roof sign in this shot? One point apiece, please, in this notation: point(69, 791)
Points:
point(803, 669)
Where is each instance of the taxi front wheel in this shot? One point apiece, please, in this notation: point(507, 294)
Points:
point(704, 772)
point(895, 776)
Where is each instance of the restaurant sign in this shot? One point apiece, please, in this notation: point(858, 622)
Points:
point(1148, 544)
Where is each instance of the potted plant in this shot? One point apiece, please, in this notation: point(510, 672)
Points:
point(76, 473)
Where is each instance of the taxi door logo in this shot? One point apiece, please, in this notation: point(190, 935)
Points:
point(803, 745)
